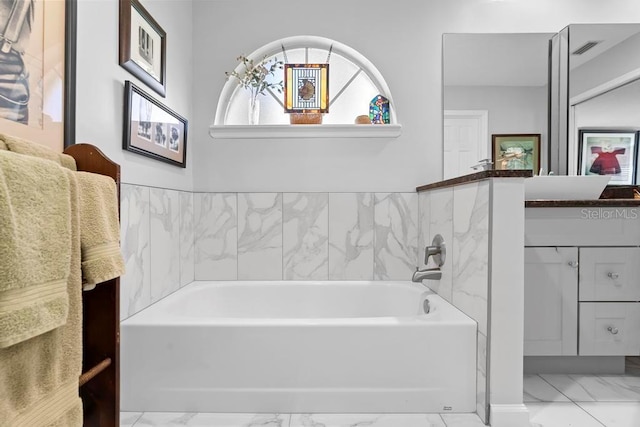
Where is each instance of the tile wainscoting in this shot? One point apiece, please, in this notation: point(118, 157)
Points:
point(170, 238)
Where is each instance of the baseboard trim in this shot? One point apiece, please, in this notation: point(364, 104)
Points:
point(511, 415)
point(606, 365)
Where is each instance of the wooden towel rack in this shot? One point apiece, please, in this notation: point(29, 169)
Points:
point(100, 380)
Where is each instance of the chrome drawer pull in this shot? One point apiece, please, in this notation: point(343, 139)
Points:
point(573, 264)
point(613, 276)
point(613, 330)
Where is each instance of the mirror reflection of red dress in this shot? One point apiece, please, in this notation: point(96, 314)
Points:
point(606, 163)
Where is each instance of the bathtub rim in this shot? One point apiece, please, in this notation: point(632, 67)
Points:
point(149, 316)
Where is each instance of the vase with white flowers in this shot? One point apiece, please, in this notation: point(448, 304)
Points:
point(253, 77)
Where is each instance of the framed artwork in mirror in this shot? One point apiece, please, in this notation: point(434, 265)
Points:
point(516, 151)
point(37, 63)
point(143, 46)
point(608, 152)
point(152, 129)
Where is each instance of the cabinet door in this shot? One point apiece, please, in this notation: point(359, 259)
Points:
point(551, 302)
point(609, 274)
point(609, 329)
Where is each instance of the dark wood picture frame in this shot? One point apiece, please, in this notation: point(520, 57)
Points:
point(153, 129)
point(626, 162)
point(522, 151)
point(143, 62)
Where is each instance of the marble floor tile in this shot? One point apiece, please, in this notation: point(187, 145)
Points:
point(175, 419)
point(128, 419)
point(369, 420)
point(592, 388)
point(560, 414)
point(462, 420)
point(614, 414)
point(538, 390)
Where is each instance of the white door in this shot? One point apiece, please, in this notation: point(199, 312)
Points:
point(466, 141)
point(550, 301)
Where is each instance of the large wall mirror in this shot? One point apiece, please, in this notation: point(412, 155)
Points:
point(492, 84)
point(603, 86)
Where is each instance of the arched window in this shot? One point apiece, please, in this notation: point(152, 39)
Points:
point(353, 82)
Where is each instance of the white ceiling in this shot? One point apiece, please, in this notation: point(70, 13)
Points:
point(510, 59)
point(608, 35)
point(496, 59)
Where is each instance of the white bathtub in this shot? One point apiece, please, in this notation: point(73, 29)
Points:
point(299, 347)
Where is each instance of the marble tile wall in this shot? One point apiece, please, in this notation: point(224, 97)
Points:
point(157, 239)
point(461, 215)
point(396, 235)
point(351, 236)
point(216, 236)
point(305, 236)
point(170, 238)
point(259, 236)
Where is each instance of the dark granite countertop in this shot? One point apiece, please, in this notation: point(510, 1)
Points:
point(478, 176)
point(598, 203)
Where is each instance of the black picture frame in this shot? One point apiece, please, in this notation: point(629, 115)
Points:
point(148, 62)
point(152, 129)
point(622, 164)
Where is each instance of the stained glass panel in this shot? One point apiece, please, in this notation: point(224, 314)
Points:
point(306, 88)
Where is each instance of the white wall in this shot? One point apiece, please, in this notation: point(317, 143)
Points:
point(512, 109)
point(100, 86)
point(408, 54)
point(618, 109)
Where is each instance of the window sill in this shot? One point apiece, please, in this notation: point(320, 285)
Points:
point(304, 131)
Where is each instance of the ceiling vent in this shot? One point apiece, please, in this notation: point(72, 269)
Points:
point(585, 47)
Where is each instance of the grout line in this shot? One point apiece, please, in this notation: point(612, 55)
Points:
point(556, 388)
point(589, 413)
point(137, 419)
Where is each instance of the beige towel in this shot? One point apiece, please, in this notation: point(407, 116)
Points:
point(3, 146)
point(39, 377)
point(29, 148)
point(99, 229)
point(35, 246)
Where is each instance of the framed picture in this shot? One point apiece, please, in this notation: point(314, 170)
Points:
point(37, 59)
point(518, 151)
point(306, 88)
point(143, 46)
point(608, 152)
point(152, 129)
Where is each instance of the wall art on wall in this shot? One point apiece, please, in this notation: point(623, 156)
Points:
point(306, 88)
point(608, 152)
point(152, 129)
point(37, 64)
point(143, 45)
point(516, 151)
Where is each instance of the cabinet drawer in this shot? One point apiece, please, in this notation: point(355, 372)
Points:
point(609, 329)
point(609, 274)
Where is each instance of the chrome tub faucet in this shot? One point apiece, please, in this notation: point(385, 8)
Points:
point(438, 251)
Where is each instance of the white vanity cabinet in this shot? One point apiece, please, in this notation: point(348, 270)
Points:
point(550, 301)
point(582, 282)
